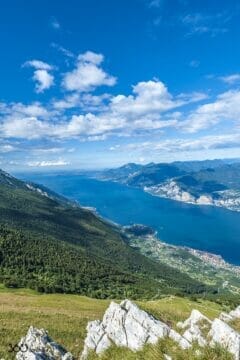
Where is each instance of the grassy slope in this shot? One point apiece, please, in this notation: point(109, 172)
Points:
point(66, 317)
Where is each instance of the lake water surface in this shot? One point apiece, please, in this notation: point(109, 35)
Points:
point(202, 227)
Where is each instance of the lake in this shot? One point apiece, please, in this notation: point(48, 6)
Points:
point(202, 227)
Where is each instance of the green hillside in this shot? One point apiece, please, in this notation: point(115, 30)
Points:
point(52, 246)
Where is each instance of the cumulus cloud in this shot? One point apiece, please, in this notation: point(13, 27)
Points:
point(226, 107)
point(148, 97)
point(149, 107)
point(83, 101)
point(24, 128)
point(88, 74)
point(44, 80)
point(41, 75)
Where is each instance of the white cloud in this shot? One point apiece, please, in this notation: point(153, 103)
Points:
point(148, 97)
point(53, 150)
point(192, 97)
point(226, 107)
point(199, 24)
point(48, 163)
point(91, 57)
point(44, 80)
point(24, 128)
point(41, 74)
point(230, 79)
point(148, 108)
point(63, 50)
point(20, 110)
point(84, 101)
point(7, 148)
point(88, 74)
point(38, 64)
point(175, 145)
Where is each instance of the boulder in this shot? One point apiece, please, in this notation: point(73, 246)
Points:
point(37, 345)
point(223, 335)
point(126, 325)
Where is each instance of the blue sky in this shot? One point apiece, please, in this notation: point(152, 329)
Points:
point(89, 84)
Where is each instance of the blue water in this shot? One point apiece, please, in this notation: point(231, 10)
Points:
point(202, 227)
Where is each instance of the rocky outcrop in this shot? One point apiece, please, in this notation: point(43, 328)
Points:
point(195, 327)
point(37, 345)
point(195, 318)
point(223, 335)
point(126, 325)
point(232, 315)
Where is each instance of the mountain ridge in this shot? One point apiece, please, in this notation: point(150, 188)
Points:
point(210, 182)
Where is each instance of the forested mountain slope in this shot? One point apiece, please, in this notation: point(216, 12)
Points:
point(54, 246)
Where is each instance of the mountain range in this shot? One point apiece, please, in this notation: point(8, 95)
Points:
point(210, 182)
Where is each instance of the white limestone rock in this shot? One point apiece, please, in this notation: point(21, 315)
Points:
point(194, 334)
point(96, 340)
point(195, 318)
point(222, 334)
point(194, 326)
point(232, 315)
point(37, 345)
point(235, 314)
point(126, 325)
point(225, 317)
point(182, 342)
